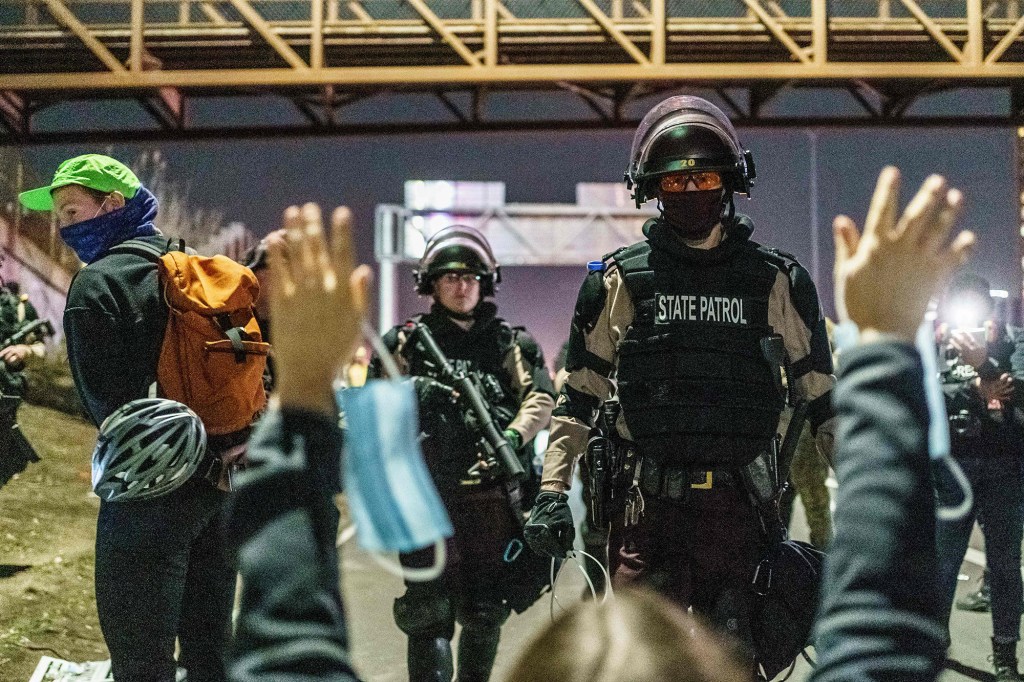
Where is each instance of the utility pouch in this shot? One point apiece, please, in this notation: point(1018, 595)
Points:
point(760, 476)
point(598, 461)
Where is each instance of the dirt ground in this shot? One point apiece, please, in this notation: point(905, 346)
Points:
point(47, 532)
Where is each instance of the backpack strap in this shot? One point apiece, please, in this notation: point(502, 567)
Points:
point(236, 334)
point(147, 249)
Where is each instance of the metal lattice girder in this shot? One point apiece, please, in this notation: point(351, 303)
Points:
point(600, 51)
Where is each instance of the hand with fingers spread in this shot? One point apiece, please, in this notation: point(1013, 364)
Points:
point(885, 276)
point(1000, 388)
point(317, 301)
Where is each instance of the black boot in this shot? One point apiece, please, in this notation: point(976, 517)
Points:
point(979, 601)
point(478, 646)
point(1004, 661)
point(430, 659)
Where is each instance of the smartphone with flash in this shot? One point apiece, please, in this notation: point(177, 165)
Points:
point(977, 333)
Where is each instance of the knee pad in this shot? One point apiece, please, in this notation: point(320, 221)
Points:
point(483, 614)
point(425, 613)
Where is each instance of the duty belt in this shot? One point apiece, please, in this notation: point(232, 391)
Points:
point(677, 483)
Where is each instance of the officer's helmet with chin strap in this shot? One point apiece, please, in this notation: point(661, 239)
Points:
point(687, 134)
point(457, 248)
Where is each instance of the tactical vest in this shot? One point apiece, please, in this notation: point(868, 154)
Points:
point(693, 382)
point(449, 447)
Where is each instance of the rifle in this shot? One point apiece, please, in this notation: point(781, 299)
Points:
point(495, 454)
point(42, 328)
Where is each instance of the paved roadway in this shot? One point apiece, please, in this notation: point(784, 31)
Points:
point(379, 647)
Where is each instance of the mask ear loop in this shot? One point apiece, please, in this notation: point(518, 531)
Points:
point(415, 575)
point(938, 429)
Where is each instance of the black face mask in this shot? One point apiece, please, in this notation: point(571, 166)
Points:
point(692, 214)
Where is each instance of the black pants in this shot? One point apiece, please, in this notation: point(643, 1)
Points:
point(471, 591)
point(700, 552)
point(999, 496)
point(161, 574)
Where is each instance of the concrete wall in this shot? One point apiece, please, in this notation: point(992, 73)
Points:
point(45, 281)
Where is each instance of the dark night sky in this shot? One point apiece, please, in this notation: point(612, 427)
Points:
point(252, 181)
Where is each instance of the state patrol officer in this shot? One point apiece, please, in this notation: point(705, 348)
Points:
point(678, 320)
point(488, 573)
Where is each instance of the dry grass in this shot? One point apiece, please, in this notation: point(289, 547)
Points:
point(47, 533)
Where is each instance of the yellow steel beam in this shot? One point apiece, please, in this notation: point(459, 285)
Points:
point(446, 34)
point(260, 25)
point(212, 13)
point(316, 34)
point(504, 12)
point(510, 74)
point(974, 50)
point(640, 9)
point(933, 30)
point(490, 32)
point(356, 8)
point(613, 31)
point(65, 16)
point(819, 31)
point(997, 52)
point(136, 46)
point(776, 30)
point(658, 40)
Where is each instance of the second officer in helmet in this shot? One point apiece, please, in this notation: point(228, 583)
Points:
point(679, 327)
point(484, 576)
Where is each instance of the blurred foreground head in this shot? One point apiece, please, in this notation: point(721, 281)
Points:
point(636, 636)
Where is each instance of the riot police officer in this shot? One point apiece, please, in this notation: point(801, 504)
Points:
point(15, 313)
point(458, 270)
point(986, 360)
point(683, 322)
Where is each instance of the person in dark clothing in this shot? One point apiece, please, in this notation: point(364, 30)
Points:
point(459, 272)
point(987, 438)
point(880, 615)
point(161, 573)
point(879, 618)
point(676, 327)
point(16, 312)
point(280, 523)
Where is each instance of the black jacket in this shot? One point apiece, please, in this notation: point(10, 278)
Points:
point(880, 610)
point(114, 322)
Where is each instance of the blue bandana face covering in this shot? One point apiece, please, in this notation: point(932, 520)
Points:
point(390, 493)
point(91, 239)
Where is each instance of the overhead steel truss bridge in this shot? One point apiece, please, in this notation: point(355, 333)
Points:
point(440, 65)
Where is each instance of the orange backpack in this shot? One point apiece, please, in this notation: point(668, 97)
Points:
point(213, 355)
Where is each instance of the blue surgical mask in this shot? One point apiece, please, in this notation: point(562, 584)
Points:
point(390, 492)
point(92, 238)
point(955, 497)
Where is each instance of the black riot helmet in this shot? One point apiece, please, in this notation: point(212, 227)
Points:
point(457, 249)
point(687, 134)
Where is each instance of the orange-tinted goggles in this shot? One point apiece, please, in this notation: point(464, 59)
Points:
point(682, 182)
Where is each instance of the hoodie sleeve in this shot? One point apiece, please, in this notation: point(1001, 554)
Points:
point(879, 616)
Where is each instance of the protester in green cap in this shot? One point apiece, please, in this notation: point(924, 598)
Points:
point(99, 203)
point(161, 573)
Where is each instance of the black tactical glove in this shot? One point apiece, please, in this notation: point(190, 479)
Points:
point(431, 392)
point(550, 530)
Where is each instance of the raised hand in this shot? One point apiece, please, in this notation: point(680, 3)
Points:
point(317, 302)
point(885, 277)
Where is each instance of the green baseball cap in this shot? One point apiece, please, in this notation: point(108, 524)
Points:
point(90, 170)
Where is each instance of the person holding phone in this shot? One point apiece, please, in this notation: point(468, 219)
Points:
point(986, 360)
